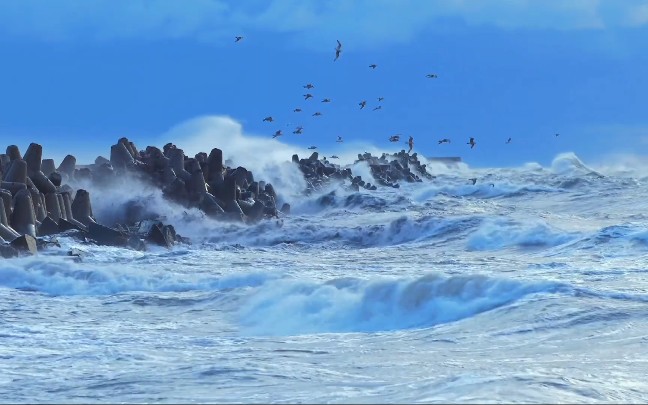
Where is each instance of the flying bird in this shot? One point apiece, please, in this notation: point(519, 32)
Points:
point(508, 140)
point(326, 100)
point(334, 157)
point(431, 76)
point(298, 130)
point(373, 66)
point(276, 134)
point(269, 119)
point(338, 50)
point(394, 138)
point(312, 147)
point(339, 139)
point(317, 114)
point(471, 142)
point(308, 86)
point(297, 110)
point(378, 108)
point(444, 140)
point(238, 38)
point(380, 99)
point(557, 134)
point(474, 180)
point(362, 104)
point(307, 96)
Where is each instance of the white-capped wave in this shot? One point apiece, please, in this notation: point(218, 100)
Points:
point(58, 276)
point(500, 233)
point(288, 307)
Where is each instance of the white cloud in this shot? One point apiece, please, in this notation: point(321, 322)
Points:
point(361, 22)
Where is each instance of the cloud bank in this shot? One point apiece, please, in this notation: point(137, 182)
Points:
point(362, 22)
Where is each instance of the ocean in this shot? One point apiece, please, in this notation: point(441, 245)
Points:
point(527, 287)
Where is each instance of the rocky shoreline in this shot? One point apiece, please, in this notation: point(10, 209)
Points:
point(37, 201)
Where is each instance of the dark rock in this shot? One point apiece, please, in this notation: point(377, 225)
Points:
point(104, 235)
point(8, 251)
point(68, 224)
point(48, 227)
point(55, 178)
point(25, 243)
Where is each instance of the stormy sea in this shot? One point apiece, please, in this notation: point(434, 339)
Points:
point(528, 286)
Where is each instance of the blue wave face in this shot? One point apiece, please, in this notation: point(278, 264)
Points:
point(354, 305)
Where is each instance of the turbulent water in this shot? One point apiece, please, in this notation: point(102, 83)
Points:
point(529, 286)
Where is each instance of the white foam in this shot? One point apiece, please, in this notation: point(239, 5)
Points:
point(59, 276)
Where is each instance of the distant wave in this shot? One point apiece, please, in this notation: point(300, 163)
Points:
point(397, 230)
point(499, 233)
point(57, 276)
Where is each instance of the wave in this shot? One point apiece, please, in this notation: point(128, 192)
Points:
point(570, 164)
point(502, 233)
point(289, 307)
point(61, 277)
point(345, 231)
point(622, 235)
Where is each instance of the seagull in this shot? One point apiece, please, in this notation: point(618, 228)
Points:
point(373, 66)
point(334, 157)
point(236, 39)
point(338, 50)
point(362, 104)
point(298, 130)
point(380, 99)
point(471, 142)
point(297, 110)
point(444, 140)
point(326, 100)
point(431, 76)
point(474, 180)
point(308, 86)
point(557, 134)
point(312, 147)
point(339, 139)
point(394, 138)
point(508, 140)
point(269, 119)
point(317, 114)
point(307, 96)
point(378, 108)
point(276, 134)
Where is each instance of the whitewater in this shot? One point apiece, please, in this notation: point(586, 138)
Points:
point(527, 287)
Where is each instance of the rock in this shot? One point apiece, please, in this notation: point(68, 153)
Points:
point(48, 227)
point(8, 251)
point(104, 235)
point(66, 225)
point(25, 243)
point(158, 233)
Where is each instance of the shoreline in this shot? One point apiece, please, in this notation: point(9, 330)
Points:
point(39, 201)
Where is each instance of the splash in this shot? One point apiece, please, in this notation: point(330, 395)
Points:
point(267, 158)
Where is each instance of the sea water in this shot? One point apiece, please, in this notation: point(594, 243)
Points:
point(528, 286)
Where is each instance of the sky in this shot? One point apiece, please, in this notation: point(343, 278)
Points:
point(76, 75)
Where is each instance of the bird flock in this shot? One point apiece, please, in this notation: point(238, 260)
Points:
point(362, 104)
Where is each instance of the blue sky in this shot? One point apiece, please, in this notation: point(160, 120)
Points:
point(77, 75)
